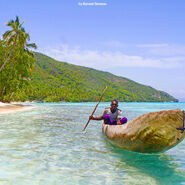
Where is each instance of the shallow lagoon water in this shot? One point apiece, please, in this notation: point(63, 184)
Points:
point(46, 145)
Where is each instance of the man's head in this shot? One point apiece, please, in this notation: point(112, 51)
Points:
point(114, 105)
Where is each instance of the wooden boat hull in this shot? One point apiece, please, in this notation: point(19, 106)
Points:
point(150, 133)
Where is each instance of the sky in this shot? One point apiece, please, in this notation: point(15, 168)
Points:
point(141, 40)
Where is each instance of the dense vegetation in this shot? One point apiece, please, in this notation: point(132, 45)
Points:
point(16, 60)
point(54, 81)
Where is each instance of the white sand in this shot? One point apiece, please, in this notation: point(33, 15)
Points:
point(12, 107)
point(3, 104)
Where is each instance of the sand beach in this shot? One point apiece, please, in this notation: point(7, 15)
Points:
point(13, 107)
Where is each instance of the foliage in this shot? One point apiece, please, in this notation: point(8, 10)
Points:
point(54, 81)
point(16, 70)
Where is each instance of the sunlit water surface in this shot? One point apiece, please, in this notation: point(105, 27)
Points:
point(46, 145)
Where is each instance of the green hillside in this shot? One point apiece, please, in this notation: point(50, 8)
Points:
point(54, 81)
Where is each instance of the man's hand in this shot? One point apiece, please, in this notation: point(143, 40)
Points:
point(96, 118)
point(91, 117)
point(118, 121)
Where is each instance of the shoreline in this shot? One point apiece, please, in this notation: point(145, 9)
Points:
point(6, 108)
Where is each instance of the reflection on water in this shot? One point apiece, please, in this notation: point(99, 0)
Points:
point(46, 145)
point(147, 168)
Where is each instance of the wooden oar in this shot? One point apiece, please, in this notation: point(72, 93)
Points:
point(95, 107)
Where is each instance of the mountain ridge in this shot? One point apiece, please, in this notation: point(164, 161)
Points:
point(55, 81)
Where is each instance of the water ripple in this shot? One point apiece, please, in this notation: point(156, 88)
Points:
point(46, 145)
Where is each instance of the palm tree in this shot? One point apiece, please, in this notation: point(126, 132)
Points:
point(16, 37)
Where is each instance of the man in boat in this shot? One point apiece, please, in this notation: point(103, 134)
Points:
point(111, 115)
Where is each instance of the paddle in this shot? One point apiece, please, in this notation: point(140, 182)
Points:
point(95, 107)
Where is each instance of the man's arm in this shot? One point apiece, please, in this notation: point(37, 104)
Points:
point(96, 118)
point(119, 117)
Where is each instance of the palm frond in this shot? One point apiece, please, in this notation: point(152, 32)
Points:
point(29, 52)
point(32, 45)
point(17, 21)
point(22, 23)
point(27, 36)
point(22, 29)
point(10, 23)
point(7, 34)
point(11, 40)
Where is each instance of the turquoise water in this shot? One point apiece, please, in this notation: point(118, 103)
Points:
point(46, 145)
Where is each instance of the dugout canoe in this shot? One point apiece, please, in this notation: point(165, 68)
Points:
point(150, 133)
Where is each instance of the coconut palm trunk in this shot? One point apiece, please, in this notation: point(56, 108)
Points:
point(8, 57)
point(2, 90)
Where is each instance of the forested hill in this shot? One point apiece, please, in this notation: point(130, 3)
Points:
point(54, 81)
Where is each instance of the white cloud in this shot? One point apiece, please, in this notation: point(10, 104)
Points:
point(163, 49)
point(152, 45)
point(108, 59)
point(153, 49)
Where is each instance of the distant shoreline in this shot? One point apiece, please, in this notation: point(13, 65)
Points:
point(13, 107)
